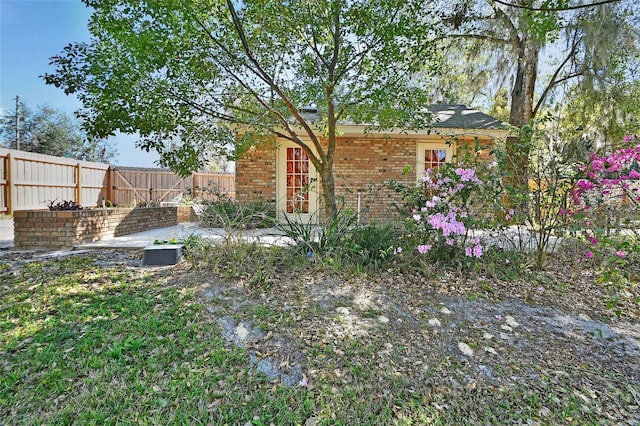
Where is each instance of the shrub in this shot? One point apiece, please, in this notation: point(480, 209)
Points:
point(64, 205)
point(230, 214)
point(345, 244)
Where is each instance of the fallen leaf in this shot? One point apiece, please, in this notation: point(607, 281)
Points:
point(465, 349)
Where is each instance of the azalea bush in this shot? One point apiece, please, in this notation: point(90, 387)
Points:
point(441, 213)
point(613, 177)
point(610, 185)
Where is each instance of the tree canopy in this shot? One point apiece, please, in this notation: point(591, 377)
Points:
point(537, 46)
point(50, 131)
point(546, 53)
point(198, 70)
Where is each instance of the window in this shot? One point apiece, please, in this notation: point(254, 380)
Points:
point(432, 156)
point(297, 181)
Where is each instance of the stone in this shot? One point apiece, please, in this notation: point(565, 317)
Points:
point(511, 321)
point(342, 310)
point(445, 310)
point(242, 332)
point(465, 349)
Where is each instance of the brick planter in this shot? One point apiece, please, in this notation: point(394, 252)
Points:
point(44, 229)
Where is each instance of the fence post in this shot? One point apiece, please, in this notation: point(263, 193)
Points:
point(110, 180)
point(78, 183)
point(9, 185)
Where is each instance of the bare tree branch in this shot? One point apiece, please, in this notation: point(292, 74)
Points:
point(285, 99)
point(555, 9)
point(554, 79)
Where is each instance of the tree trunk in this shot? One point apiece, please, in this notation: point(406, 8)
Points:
point(328, 183)
point(522, 105)
point(524, 86)
point(329, 193)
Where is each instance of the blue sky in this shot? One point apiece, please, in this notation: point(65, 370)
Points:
point(32, 31)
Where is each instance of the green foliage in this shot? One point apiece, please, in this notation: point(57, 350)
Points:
point(255, 265)
point(544, 24)
point(52, 132)
point(594, 116)
point(551, 174)
point(537, 52)
point(187, 75)
point(311, 239)
point(231, 214)
point(345, 244)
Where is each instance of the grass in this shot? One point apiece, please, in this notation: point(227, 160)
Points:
point(87, 345)
point(80, 343)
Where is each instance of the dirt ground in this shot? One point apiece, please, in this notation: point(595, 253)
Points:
point(556, 334)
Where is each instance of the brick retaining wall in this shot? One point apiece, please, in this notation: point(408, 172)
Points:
point(44, 229)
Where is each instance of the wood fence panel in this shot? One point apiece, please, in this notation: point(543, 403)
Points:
point(141, 185)
point(212, 185)
point(28, 181)
point(32, 180)
point(5, 194)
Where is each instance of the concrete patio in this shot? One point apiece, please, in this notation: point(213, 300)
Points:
point(268, 236)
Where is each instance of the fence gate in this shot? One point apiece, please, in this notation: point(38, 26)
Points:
point(132, 185)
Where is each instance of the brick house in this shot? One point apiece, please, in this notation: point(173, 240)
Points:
point(282, 175)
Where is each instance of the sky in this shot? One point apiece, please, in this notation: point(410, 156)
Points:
point(32, 31)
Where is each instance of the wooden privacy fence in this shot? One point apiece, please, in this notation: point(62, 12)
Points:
point(29, 181)
point(131, 185)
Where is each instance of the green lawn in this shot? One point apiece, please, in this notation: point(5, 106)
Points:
point(87, 344)
point(81, 344)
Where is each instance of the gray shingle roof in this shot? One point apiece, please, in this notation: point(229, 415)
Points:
point(448, 116)
point(445, 116)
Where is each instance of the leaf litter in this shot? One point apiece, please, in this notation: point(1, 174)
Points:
point(559, 354)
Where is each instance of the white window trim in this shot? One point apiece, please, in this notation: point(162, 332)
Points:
point(421, 147)
point(281, 188)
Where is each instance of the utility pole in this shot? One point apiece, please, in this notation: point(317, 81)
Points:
point(17, 123)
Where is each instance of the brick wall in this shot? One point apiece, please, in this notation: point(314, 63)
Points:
point(44, 229)
point(362, 165)
point(256, 175)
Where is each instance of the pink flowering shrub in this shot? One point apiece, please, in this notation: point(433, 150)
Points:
point(610, 183)
point(441, 219)
point(610, 176)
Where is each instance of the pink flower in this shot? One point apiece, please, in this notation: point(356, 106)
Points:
point(417, 217)
point(589, 255)
point(475, 251)
point(585, 185)
point(398, 250)
point(450, 241)
point(621, 254)
point(423, 248)
point(593, 240)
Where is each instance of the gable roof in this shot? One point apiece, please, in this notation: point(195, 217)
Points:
point(454, 116)
point(444, 116)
